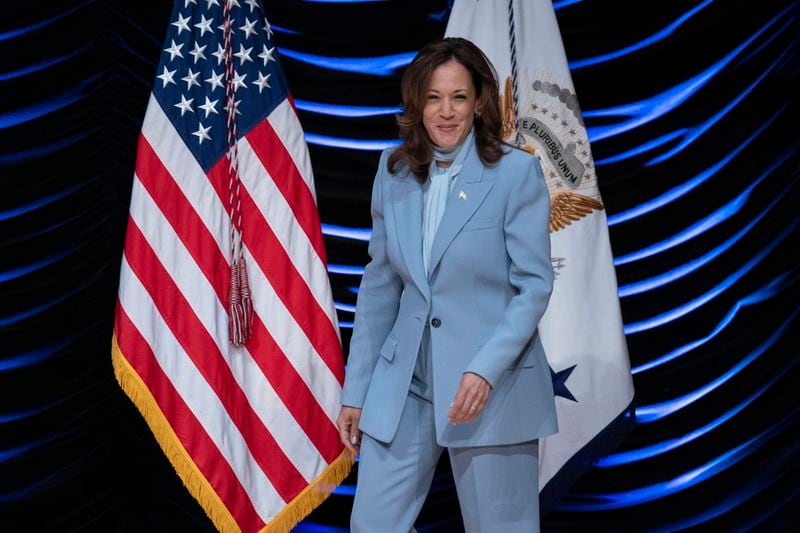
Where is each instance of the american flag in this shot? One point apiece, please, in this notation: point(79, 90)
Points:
point(250, 429)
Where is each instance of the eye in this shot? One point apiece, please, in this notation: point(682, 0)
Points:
point(461, 97)
point(433, 97)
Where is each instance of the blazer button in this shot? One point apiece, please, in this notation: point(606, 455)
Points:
point(435, 322)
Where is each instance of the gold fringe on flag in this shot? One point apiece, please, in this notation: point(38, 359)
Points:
point(198, 486)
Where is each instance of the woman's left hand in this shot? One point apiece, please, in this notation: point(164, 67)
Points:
point(471, 397)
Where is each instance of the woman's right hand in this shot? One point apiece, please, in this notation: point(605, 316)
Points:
point(348, 428)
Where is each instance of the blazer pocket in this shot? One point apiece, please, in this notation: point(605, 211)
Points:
point(527, 360)
point(481, 223)
point(388, 348)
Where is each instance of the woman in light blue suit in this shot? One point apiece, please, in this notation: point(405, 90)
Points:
point(445, 350)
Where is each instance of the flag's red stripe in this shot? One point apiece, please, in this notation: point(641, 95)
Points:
point(294, 393)
point(284, 278)
point(180, 213)
point(204, 352)
point(193, 437)
point(276, 159)
point(287, 383)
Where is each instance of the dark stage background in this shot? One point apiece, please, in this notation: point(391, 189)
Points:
point(701, 191)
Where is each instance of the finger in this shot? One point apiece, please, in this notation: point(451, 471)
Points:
point(344, 436)
point(457, 404)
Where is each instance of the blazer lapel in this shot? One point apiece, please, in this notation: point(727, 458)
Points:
point(407, 210)
point(468, 193)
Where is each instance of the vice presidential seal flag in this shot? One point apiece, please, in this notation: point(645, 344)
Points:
point(225, 333)
point(582, 330)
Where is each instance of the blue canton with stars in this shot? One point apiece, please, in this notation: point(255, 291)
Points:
point(190, 80)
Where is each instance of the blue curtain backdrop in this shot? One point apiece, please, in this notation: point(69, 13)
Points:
point(690, 106)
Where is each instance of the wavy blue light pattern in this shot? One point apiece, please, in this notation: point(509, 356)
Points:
point(15, 273)
point(352, 144)
point(312, 527)
point(692, 134)
point(346, 269)
point(656, 37)
point(687, 186)
point(350, 111)
point(688, 307)
point(34, 357)
point(642, 148)
point(685, 269)
point(43, 24)
point(688, 135)
point(649, 109)
point(646, 414)
point(52, 104)
point(21, 156)
point(43, 201)
point(717, 217)
point(640, 495)
point(768, 291)
point(377, 66)
point(45, 64)
point(648, 452)
point(10, 453)
point(356, 234)
point(745, 492)
point(564, 3)
point(344, 307)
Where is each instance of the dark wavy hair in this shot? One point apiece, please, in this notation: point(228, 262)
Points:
point(417, 148)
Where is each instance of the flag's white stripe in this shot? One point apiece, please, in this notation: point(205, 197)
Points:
point(191, 179)
point(289, 130)
point(203, 300)
point(276, 210)
point(294, 343)
point(197, 393)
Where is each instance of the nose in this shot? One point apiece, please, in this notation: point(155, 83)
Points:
point(446, 110)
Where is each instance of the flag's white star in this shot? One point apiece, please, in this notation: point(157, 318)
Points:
point(248, 28)
point(209, 107)
point(166, 77)
point(174, 50)
point(191, 79)
point(267, 54)
point(182, 23)
point(197, 53)
point(223, 26)
point(211, 3)
point(187, 2)
point(185, 105)
point(215, 80)
point(268, 28)
point(234, 3)
point(235, 107)
point(204, 25)
point(252, 3)
point(202, 133)
point(262, 82)
point(219, 54)
point(238, 81)
point(243, 54)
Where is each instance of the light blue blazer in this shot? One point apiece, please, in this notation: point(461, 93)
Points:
point(489, 284)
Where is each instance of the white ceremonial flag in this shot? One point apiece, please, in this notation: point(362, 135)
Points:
point(582, 330)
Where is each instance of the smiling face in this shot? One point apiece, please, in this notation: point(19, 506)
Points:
point(449, 105)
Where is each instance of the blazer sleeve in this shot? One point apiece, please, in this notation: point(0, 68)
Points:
point(377, 303)
point(527, 240)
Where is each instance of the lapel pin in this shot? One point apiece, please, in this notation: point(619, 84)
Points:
point(462, 195)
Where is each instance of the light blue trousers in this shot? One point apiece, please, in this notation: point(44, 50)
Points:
point(497, 485)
